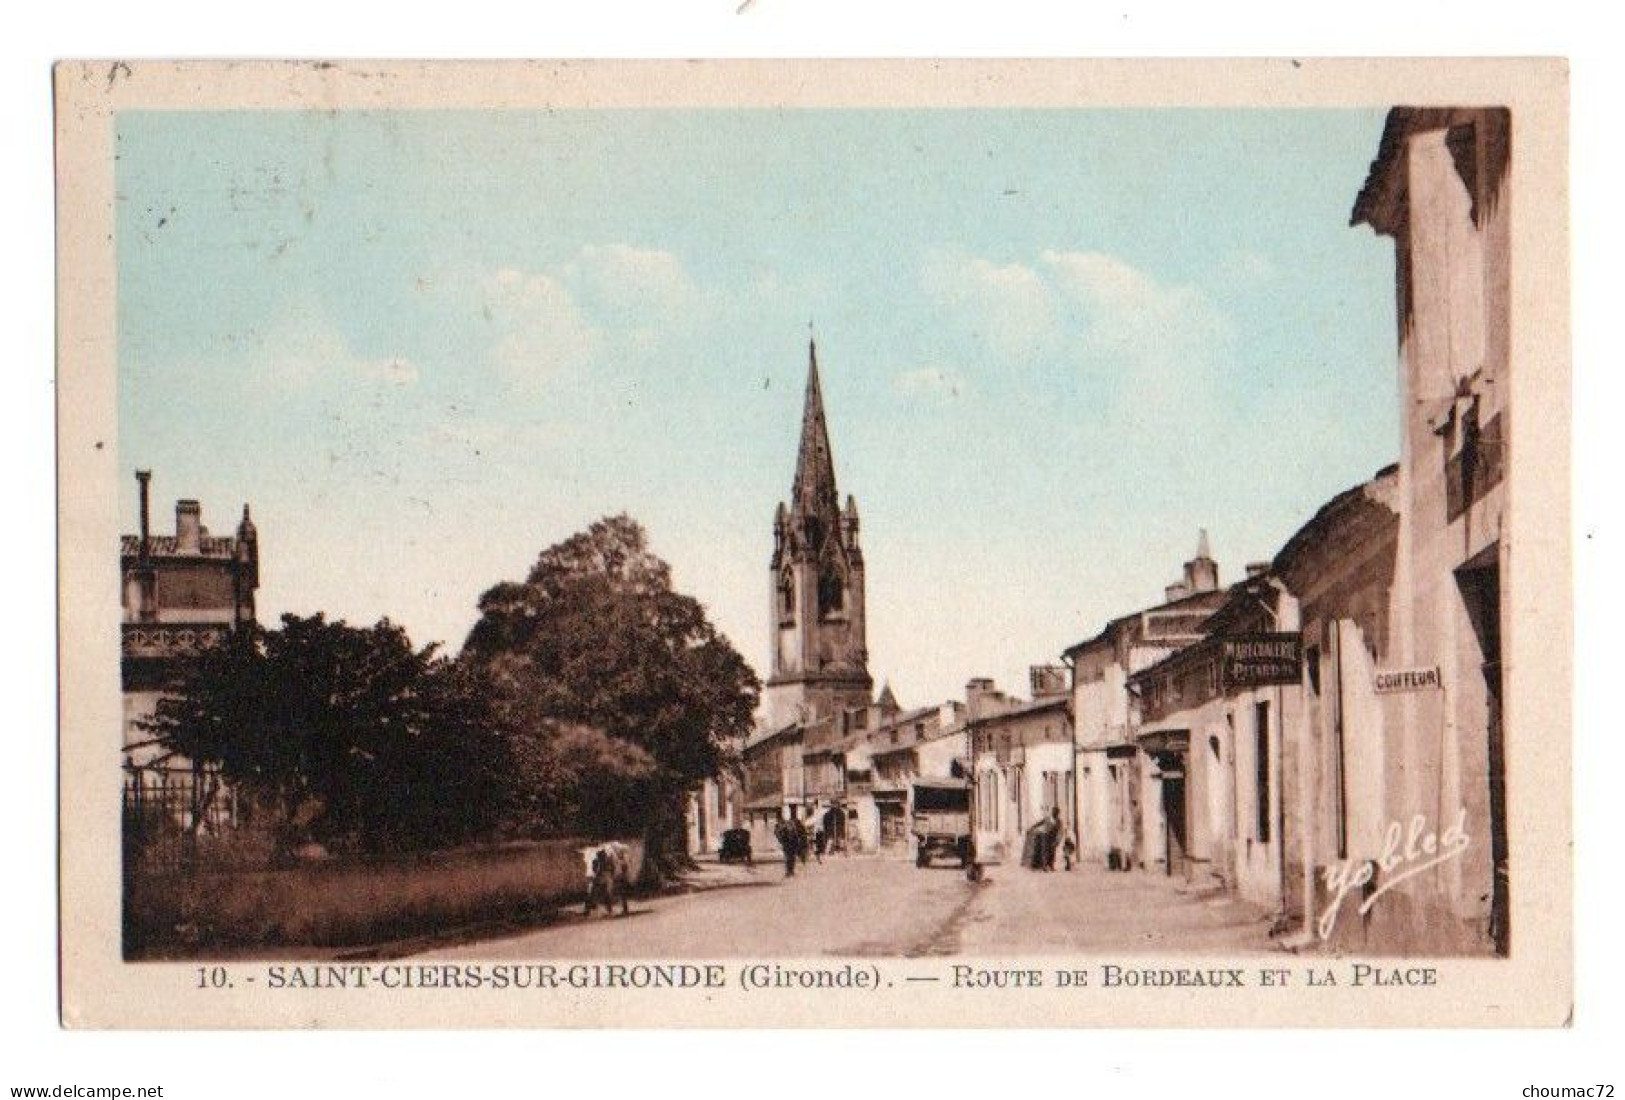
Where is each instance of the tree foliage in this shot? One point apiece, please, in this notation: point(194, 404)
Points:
point(623, 683)
point(351, 732)
point(587, 699)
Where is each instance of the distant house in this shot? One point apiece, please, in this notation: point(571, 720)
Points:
point(182, 594)
point(1022, 760)
point(902, 746)
point(1110, 816)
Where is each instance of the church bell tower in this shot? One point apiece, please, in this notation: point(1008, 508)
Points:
point(820, 653)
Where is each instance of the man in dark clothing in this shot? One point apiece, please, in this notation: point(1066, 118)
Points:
point(1052, 838)
point(785, 834)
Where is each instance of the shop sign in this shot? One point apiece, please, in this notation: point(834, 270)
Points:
point(1255, 660)
point(1393, 681)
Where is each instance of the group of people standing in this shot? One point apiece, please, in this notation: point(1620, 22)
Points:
point(1048, 838)
point(796, 841)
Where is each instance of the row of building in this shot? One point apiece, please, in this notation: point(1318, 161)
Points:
point(1322, 736)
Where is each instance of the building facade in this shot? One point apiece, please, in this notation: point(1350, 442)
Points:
point(181, 595)
point(1023, 763)
point(1110, 813)
point(771, 777)
point(904, 746)
point(1339, 568)
point(1440, 188)
point(714, 807)
point(1260, 740)
point(1213, 723)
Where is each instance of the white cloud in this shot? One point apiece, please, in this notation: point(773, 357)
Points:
point(1163, 334)
point(932, 382)
point(302, 351)
point(540, 328)
point(1009, 306)
point(646, 281)
point(1155, 344)
point(607, 303)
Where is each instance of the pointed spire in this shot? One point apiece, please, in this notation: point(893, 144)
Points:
point(887, 701)
point(814, 490)
point(1202, 550)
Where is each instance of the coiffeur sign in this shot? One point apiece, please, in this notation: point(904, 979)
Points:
point(1254, 660)
point(1407, 679)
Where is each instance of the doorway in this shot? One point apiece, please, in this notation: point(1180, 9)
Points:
point(1176, 838)
point(1481, 592)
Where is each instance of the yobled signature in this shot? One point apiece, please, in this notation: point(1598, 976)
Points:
point(1405, 852)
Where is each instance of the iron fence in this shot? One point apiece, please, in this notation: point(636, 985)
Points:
point(172, 817)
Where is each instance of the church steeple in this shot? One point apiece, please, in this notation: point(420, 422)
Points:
point(813, 493)
point(820, 656)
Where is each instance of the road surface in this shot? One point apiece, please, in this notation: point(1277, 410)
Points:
point(868, 906)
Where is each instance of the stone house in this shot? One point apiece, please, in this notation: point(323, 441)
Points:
point(1109, 811)
point(1023, 762)
point(1214, 720)
point(1440, 188)
point(1339, 568)
point(181, 595)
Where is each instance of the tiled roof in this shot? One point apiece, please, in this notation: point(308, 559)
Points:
point(1023, 708)
point(767, 733)
point(165, 546)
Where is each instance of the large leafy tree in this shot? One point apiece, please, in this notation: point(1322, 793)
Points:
point(596, 641)
point(350, 734)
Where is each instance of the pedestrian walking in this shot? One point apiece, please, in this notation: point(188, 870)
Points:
point(803, 841)
point(820, 842)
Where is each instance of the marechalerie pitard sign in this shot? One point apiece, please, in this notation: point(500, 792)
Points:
point(1253, 660)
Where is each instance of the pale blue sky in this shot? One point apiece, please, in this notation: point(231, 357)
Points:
point(426, 345)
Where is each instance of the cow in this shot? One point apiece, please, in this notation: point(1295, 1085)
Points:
point(609, 876)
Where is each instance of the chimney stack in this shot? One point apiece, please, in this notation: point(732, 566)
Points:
point(1047, 680)
point(979, 695)
point(188, 527)
point(1257, 569)
point(143, 478)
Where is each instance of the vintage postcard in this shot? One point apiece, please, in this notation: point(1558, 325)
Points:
point(857, 544)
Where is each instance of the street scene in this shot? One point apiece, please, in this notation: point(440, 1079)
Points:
point(545, 620)
point(873, 907)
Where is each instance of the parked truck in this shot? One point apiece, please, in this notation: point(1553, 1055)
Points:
point(942, 821)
